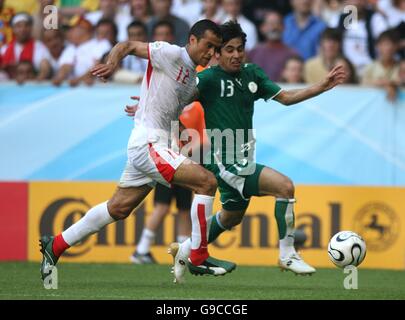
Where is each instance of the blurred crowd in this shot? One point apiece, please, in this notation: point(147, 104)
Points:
point(294, 41)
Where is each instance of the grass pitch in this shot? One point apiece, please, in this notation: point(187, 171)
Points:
point(126, 281)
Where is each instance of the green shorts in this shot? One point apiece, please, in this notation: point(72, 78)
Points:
point(235, 188)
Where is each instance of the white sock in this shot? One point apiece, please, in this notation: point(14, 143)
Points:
point(201, 210)
point(186, 247)
point(286, 244)
point(147, 238)
point(286, 248)
point(181, 239)
point(95, 219)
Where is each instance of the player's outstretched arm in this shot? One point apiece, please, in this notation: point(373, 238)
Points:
point(119, 52)
point(335, 77)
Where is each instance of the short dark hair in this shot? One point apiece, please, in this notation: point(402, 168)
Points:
point(200, 27)
point(332, 34)
point(137, 24)
point(231, 30)
point(109, 22)
point(163, 23)
point(390, 34)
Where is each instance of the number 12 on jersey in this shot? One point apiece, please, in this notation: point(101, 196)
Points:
point(183, 76)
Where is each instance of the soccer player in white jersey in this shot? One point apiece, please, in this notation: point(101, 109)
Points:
point(169, 85)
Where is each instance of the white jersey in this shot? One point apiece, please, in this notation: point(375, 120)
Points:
point(168, 86)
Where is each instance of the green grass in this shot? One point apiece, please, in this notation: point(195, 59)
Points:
point(125, 281)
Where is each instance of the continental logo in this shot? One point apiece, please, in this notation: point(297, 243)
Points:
point(62, 213)
point(65, 212)
point(378, 224)
point(254, 231)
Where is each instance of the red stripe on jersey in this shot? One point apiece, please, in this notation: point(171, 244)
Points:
point(149, 69)
point(164, 168)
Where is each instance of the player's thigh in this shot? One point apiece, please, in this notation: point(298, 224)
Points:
point(274, 183)
point(125, 200)
point(193, 176)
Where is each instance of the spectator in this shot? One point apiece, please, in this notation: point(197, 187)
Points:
point(233, 11)
point(358, 38)
point(329, 11)
point(293, 71)
point(106, 29)
point(71, 8)
point(81, 55)
point(272, 29)
point(393, 10)
point(317, 68)
point(189, 10)
point(24, 72)
point(161, 9)
point(133, 67)
point(212, 10)
point(163, 31)
point(255, 10)
point(109, 9)
point(384, 72)
point(54, 40)
point(349, 69)
point(141, 10)
point(6, 32)
point(24, 47)
point(302, 29)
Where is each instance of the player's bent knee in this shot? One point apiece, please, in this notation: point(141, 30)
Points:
point(287, 189)
point(207, 183)
point(119, 211)
point(231, 220)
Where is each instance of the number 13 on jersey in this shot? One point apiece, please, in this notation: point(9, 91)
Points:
point(227, 88)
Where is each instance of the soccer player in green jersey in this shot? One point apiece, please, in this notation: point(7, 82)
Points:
point(228, 92)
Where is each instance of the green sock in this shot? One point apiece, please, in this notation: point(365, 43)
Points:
point(285, 221)
point(215, 228)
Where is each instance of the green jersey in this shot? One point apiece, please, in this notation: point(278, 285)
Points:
point(228, 102)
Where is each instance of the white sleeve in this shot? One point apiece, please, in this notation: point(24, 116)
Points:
point(101, 48)
point(162, 54)
point(68, 56)
point(40, 53)
point(379, 24)
point(3, 49)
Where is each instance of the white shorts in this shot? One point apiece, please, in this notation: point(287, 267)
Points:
point(150, 163)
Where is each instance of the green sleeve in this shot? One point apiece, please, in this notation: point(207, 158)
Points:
point(267, 89)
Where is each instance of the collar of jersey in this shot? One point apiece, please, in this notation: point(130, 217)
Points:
point(187, 57)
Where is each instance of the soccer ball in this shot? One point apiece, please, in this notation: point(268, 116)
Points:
point(346, 248)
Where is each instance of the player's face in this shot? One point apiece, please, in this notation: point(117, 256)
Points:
point(201, 51)
point(232, 55)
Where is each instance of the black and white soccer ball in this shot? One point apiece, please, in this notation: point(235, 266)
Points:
point(347, 248)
